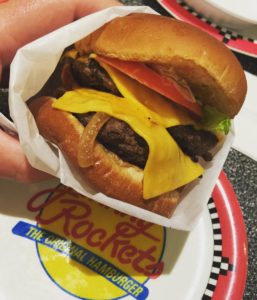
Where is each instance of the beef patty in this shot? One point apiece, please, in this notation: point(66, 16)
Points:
point(88, 73)
point(118, 137)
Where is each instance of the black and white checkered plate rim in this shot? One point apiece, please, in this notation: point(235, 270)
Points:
point(234, 40)
point(220, 264)
point(227, 33)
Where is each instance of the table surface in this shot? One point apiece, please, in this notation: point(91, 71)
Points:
point(242, 173)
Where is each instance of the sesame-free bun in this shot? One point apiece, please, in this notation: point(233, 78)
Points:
point(171, 46)
point(109, 174)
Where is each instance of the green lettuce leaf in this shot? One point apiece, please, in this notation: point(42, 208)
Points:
point(215, 121)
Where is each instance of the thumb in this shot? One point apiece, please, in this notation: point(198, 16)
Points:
point(23, 21)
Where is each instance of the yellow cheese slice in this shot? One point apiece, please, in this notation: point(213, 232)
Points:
point(163, 110)
point(167, 167)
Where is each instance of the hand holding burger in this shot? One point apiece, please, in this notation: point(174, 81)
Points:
point(139, 105)
point(21, 22)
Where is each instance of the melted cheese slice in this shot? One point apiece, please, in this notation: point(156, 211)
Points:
point(167, 167)
point(163, 110)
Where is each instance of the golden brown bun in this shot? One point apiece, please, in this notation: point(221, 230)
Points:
point(209, 67)
point(110, 175)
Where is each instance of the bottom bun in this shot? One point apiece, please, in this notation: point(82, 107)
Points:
point(109, 174)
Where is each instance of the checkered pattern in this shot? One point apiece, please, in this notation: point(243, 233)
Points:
point(220, 264)
point(226, 33)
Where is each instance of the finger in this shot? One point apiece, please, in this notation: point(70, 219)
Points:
point(14, 164)
point(25, 20)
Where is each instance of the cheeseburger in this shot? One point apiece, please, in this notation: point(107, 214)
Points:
point(139, 105)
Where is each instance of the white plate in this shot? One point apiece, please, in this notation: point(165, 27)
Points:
point(56, 243)
point(230, 13)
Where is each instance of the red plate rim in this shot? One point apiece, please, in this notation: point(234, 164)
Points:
point(230, 261)
point(235, 41)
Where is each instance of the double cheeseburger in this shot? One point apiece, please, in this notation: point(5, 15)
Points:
point(139, 105)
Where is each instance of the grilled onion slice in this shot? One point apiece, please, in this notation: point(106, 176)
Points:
point(87, 140)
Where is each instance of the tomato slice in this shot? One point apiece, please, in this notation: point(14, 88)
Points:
point(148, 77)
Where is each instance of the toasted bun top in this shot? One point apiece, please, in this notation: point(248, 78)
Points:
point(209, 67)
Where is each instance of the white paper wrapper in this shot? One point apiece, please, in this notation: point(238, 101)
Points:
point(7, 125)
point(31, 68)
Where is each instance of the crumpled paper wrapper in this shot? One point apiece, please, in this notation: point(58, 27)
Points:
point(32, 66)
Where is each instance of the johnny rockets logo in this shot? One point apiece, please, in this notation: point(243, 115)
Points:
point(91, 251)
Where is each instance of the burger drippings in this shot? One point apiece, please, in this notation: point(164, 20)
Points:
point(117, 136)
